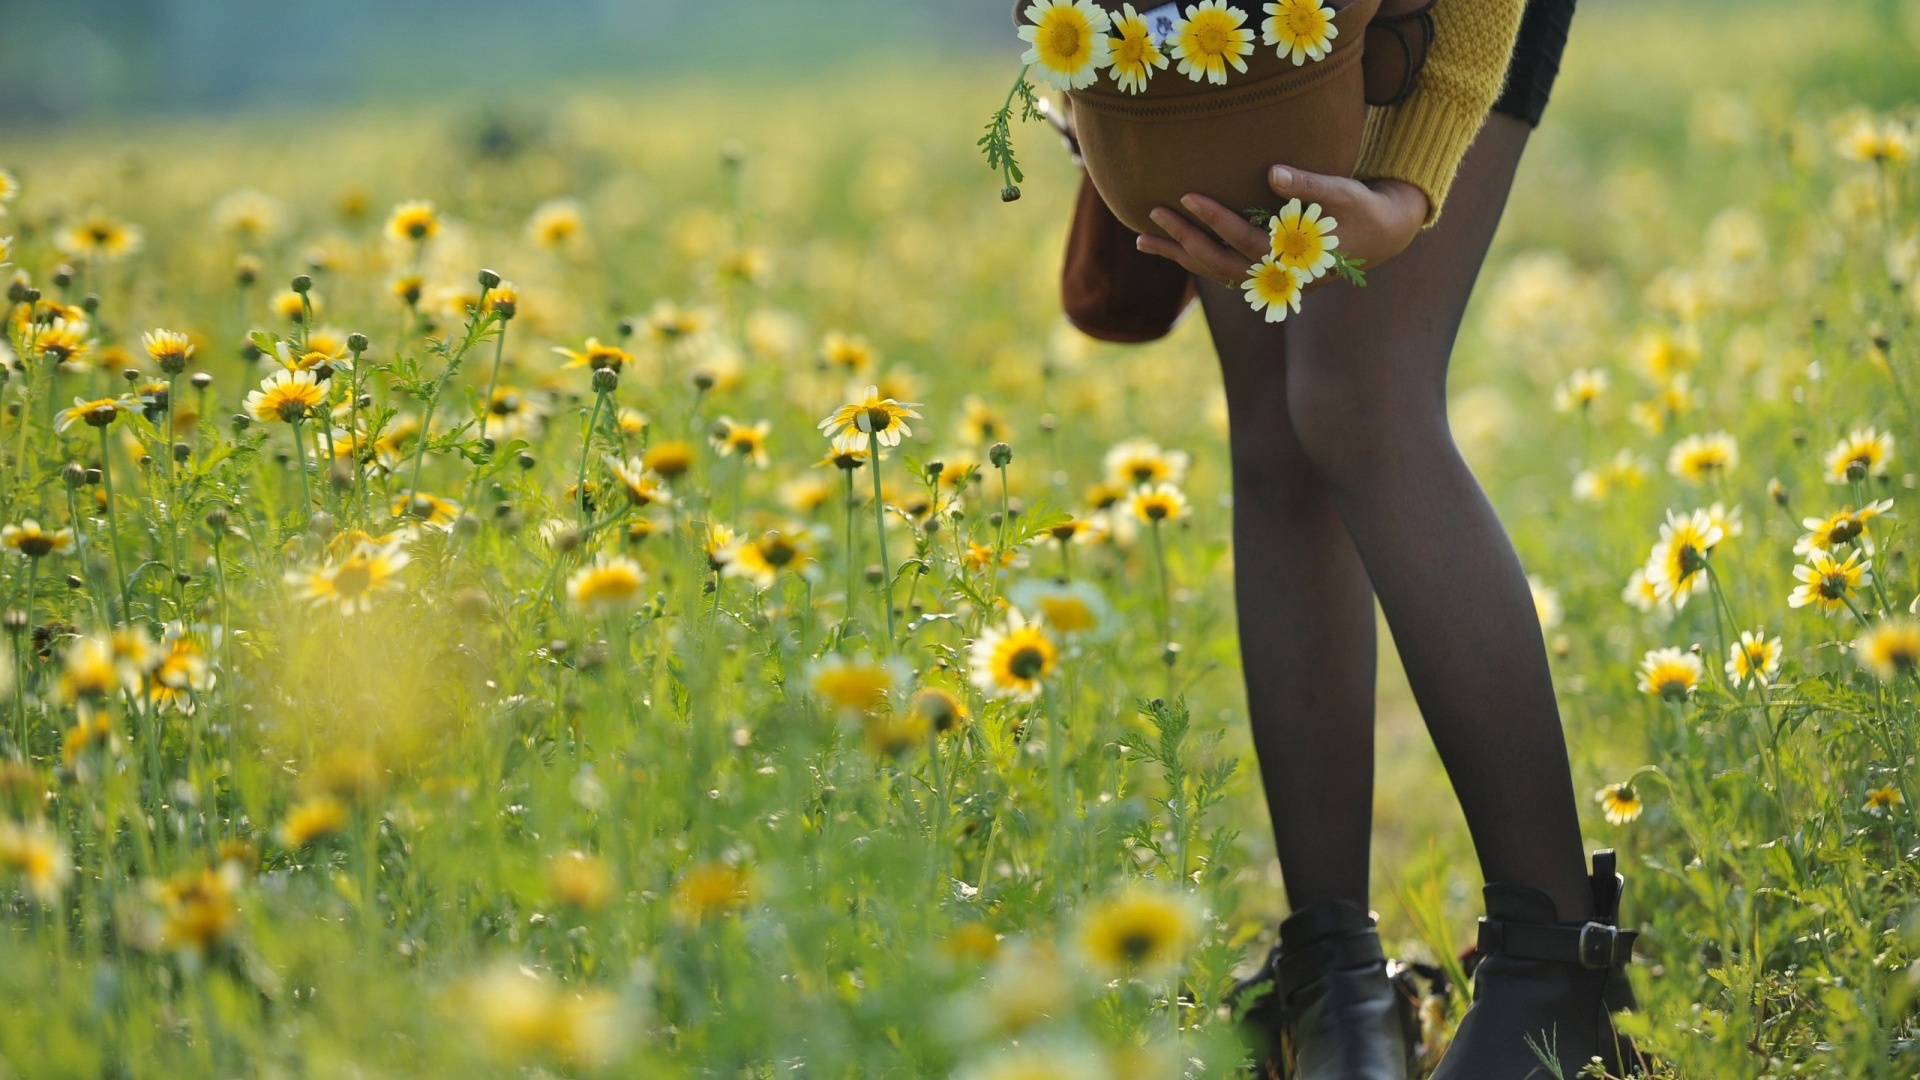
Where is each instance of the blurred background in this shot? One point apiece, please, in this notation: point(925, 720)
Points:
point(64, 60)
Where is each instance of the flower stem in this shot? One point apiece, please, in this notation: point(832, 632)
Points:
point(113, 527)
point(880, 532)
point(586, 451)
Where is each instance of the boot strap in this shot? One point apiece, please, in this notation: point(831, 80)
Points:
point(1595, 946)
point(1295, 969)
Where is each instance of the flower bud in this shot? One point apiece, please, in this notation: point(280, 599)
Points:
point(1010, 193)
point(357, 343)
point(63, 275)
point(217, 519)
point(302, 283)
point(488, 279)
point(182, 451)
point(201, 380)
point(605, 381)
point(1000, 454)
point(74, 474)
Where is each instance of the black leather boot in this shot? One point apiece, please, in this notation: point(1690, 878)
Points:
point(1332, 1013)
point(1545, 987)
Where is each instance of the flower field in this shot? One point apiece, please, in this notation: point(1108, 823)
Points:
point(654, 588)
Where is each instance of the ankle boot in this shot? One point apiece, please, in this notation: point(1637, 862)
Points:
point(1331, 1012)
point(1546, 989)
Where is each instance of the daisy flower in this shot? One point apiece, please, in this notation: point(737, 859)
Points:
point(1303, 239)
point(1209, 38)
point(98, 236)
point(1865, 451)
point(1619, 803)
point(606, 583)
point(285, 395)
point(1135, 55)
point(732, 437)
point(1142, 931)
point(168, 348)
point(30, 540)
point(351, 584)
point(873, 415)
point(1303, 29)
point(1698, 458)
point(1133, 462)
point(1882, 799)
point(1842, 527)
point(415, 221)
point(1671, 673)
point(1013, 661)
point(642, 486)
point(858, 685)
point(1580, 391)
point(1676, 568)
point(1273, 287)
point(1754, 657)
point(1067, 43)
point(596, 355)
point(98, 412)
point(1828, 584)
point(1889, 650)
point(1161, 502)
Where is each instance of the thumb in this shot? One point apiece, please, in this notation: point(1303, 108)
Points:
point(1290, 183)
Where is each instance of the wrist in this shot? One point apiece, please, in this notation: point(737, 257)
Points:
point(1409, 202)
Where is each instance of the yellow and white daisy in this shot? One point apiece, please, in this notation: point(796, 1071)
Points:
point(749, 441)
point(1676, 568)
point(1273, 287)
point(98, 412)
point(1141, 931)
point(1013, 661)
point(1133, 462)
point(1160, 502)
point(1067, 42)
point(1303, 29)
point(873, 415)
point(1755, 657)
point(1699, 458)
point(416, 221)
point(1842, 528)
point(856, 685)
point(1619, 803)
point(1642, 593)
point(1671, 674)
point(285, 396)
point(351, 584)
point(1135, 54)
point(1580, 391)
point(607, 583)
point(30, 540)
point(1212, 36)
point(1864, 452)
point(1889, 650)
point(1827, 584)
point(1303, 239)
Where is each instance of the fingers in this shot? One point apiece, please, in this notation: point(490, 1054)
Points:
point(1239, 233)
point(1167, 249)
point(1200, 253)
point(1331, 192)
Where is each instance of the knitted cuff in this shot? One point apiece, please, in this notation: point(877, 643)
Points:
point(1421, 140)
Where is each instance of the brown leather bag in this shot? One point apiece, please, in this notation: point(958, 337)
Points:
point(1110, 290)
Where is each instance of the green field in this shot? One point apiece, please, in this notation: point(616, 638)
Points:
point(340, 742)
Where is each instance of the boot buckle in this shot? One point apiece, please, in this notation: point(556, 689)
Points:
point(1598, 941)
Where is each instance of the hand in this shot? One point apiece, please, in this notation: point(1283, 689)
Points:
point(1377, 220)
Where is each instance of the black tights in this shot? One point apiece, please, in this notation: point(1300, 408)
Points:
point(1347, 485)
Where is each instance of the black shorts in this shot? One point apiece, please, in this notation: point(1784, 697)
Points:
point(1536, 59)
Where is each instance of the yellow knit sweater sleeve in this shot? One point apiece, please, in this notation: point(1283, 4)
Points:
point(1422, 139)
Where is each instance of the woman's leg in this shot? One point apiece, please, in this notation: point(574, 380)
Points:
point(1366, 388)
point(1306, 623)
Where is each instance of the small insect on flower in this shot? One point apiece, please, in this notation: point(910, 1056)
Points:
point(285, 396)
point(1274, 288)
point(1158, 503)
point(1755, 657)
point(1303, 29)
point(1142, 931)
point(1303, 240)
point(1212, 36)
point(351, 584)
point(1619, 803)
point(1133, 52)
point(1067, 42)
point(1697, 459)
point(1890, 649)
point(1864, 452)
point(1013, 660)
point(30, 540)
point(608, 583)
point(1829, 584)
point(881, 417)
point(311, 820)
point(97, 413)
point(415, 221)
point(1671, 674)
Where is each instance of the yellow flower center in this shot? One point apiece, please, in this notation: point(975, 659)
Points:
point(1027, 662)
